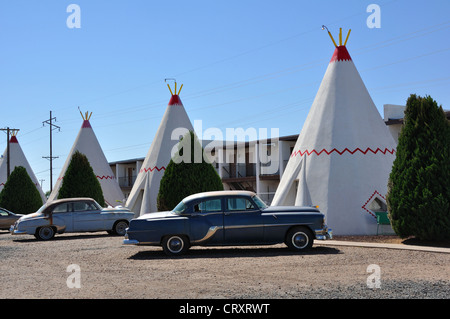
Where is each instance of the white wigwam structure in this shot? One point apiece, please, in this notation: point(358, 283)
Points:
point(87, 144)
point(143, 195)
point(344, 153)
point(17, 158)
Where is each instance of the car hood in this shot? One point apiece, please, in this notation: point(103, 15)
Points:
point(30, 216)
point(157, 215)
point(117, 209)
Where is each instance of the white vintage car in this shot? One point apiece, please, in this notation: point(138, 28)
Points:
point(73, 215)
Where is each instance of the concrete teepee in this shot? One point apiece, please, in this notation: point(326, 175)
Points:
point(344, 153)
point(87, 144)
point(143, 195)
point(17, 158)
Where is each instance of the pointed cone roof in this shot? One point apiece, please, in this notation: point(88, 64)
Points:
point(348, 148)
point(87, 144)
point(17, 158)
point(174, 124)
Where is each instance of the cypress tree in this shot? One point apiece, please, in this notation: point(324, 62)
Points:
point(20, 194)
point(80, 180)
point(419, 185)
point(187, 173)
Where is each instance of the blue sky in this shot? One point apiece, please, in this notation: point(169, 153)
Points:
point(242, 64)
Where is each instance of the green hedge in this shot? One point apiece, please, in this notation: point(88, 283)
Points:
point(419, 184)
point(187, 173)
point(80, 180)
point(20, 195)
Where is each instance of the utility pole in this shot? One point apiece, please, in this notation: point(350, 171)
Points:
point(8, 160)
point(51, 157)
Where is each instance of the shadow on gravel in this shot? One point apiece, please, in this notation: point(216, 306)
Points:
point(30, 238)
point(233, 253)
point(429, 243)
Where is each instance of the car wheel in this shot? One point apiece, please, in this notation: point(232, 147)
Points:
point(175, 245)
point(299, 239)
point(120, 228)
point(45, 233)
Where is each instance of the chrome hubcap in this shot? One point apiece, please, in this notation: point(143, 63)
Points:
point(175, 244)
point(300, 240)
point(46, 232)
point(121, 227)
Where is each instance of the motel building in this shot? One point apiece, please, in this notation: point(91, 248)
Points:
point(255, 165)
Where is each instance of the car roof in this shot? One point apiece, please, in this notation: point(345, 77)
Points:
point(65, 200)
point(217, 193)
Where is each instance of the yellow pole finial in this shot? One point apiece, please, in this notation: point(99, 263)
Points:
point(348, 34)
point(169, 88)
point(329, 33)
point(86, 116)
point(172, 79)
point(340, 36)
point(175, 91)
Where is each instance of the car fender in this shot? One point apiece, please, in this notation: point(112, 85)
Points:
point(152, 231)
point(31, 224)
point(111, 217)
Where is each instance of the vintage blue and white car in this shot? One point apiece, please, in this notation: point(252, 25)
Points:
point(71, 215)
point(227, 218)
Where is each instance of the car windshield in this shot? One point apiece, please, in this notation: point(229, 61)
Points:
point(40, 210)
point(181, 207)
point(258, 201)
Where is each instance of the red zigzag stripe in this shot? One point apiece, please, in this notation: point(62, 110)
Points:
point(105, 177)
point(151, 169)
point(99, 177)
point(386, 150)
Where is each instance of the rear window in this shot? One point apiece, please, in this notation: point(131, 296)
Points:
point(83, 206)
point(240, 203)
point(212, 205)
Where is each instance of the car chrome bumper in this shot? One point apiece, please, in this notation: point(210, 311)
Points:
point(324, 233)
point(130, 242)
point(14, 231)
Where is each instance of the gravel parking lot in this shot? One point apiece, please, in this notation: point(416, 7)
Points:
point(107, 269)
